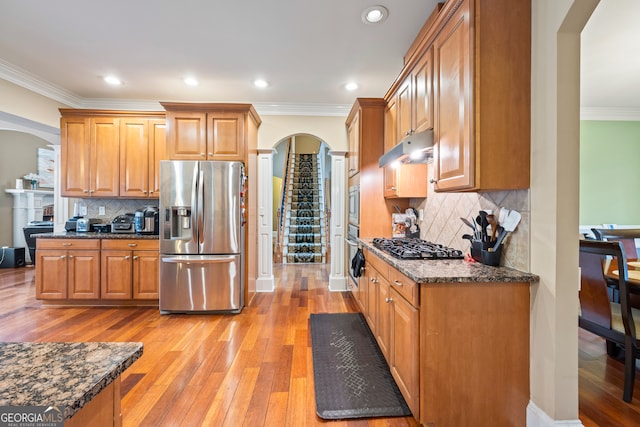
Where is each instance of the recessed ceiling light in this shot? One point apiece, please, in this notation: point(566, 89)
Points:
point(351, 86)
point(374, 14)
point(190, 81)
point(260, 83)
point(113, 80)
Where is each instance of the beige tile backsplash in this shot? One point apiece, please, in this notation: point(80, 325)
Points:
point(442, 224)
point(113, 207)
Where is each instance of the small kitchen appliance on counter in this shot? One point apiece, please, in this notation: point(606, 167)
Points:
point(123, 224)
point(147, 220)
point(84, 225)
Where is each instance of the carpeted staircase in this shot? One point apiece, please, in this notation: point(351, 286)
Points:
point(304, 227)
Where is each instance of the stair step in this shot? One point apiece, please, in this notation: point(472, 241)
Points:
point(304, 258)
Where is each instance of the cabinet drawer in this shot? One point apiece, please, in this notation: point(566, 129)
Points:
point(130, 244)
point(67, 244)
point(405, 286)
point(381, 266)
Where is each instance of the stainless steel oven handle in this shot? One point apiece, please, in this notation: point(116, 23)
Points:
point(351, 243)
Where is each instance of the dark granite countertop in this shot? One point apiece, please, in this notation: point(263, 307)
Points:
point(450, 271)
point(92, 235)
point(61, 374)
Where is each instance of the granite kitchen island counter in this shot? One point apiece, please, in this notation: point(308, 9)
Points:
point(73, 376)
point(450, 270)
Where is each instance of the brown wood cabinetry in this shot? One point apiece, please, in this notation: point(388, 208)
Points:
point(482, 101)
point(393, 317)
point(142, 146)
point(476, 100)
point(206, 131)
point(67, 269)
point(353, 137)
point(405, 181)
point(129, 269)
point(111, 153)
point(89, 156)
point(410, 105)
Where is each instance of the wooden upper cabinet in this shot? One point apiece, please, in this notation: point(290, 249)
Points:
point(405, 181)
point(187, 135)
point(90, 150)
point(207, 131)
point(390, 125)
point(453, 93)
point(482, 102)
point(225, 136)
point(158, 151)
point(142, 146)
point(422, 76)
point(353, 137)
point(404, 124)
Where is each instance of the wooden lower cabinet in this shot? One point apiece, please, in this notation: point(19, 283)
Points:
point(67, 269)
point(129, 269)
point(97, 269)
point(395, 323)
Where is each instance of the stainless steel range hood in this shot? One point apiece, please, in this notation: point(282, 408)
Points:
point(416, 148)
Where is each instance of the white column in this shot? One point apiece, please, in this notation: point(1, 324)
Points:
point(265, 281)
point(27, 206)
point(337, 277)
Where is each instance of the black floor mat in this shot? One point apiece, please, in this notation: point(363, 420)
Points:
point(352, 378)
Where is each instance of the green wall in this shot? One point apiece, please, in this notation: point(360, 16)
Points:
point(609, 172)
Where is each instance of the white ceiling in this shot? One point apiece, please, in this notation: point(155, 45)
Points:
point(306, 49)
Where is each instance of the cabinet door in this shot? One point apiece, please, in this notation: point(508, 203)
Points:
point(390, 125)
point(390, 181)
point(371, 304)
point(115, 277)
point(75, 156)
point(404, 123)
point(225, 136)
point(383, 327)
point(405, 342)
point(353, 137)
point(187, 135)
point(145, 274)
point(104, 174)
point(454, 156)
point(157, 151)
point(51, 274)
point(134, 158)
point(423, 92)
point(84, 274)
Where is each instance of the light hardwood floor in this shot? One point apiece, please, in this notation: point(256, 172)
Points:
point(251, 369)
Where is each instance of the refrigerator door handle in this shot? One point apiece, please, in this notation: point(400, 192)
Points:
point(207, 260)
point(200, 208)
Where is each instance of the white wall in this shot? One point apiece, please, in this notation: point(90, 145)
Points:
point(329, 129)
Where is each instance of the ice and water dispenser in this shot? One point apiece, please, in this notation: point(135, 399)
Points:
point(178, 222)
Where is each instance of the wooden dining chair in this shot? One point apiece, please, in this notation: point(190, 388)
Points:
point(616, 322)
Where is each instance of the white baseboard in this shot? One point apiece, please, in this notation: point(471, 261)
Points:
point(265, 284)
point(536, 417)
point(337, 284)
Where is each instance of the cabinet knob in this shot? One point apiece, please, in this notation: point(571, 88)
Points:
point(91, 191)
point(210, 154)
point(388, 300)
point(132, 245)
point(85, 191)
point(135, 257)
point(393, 188)
point(66, 244)
point(144, 191)
point(397, 283)
point(433, 181)
point(127, 257)
point(151, 192)
point(202, 155)
point(70, 256)
point(63, 256)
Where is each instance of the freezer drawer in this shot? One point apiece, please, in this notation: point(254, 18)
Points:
point(201, 283)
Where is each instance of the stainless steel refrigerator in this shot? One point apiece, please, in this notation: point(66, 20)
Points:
point(201, 236)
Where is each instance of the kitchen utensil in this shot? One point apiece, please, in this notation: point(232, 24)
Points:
point(510, 224)
point(491, 219)
point(483, 225)
point(502, 215)
point(469, 223)
point(467, 237)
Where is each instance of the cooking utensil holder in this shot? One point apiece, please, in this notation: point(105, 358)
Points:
point(492, 257)
point(477, 246)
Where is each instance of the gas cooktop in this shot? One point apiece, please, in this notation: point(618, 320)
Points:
point(405, 248)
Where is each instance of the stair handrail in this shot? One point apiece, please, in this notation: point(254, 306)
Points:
point(282, 209)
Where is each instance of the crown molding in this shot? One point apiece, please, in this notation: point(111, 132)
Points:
point(610, 114)
point(27, 80)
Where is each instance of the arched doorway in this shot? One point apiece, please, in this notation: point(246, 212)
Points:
point(332, 175)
